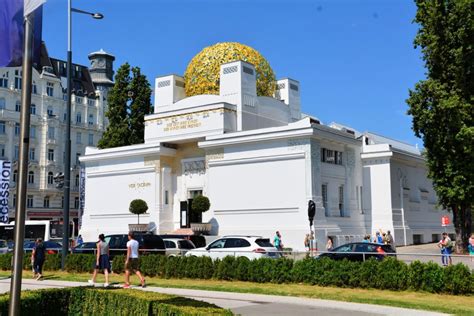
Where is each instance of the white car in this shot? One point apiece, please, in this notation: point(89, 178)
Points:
point(177, 246)
point(252, 247)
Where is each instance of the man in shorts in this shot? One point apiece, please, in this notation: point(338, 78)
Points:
point(131, 261)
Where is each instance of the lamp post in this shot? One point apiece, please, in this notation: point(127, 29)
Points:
point(67, 162)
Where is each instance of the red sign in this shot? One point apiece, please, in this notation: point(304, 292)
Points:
point(444, 220)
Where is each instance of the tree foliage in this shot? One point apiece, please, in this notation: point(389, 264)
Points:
point(129, 101)
point(138, 207)
point(442, 105)
point(200, 204)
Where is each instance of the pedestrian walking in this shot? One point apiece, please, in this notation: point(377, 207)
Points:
point(102, 261)
point(132, 263)
point(277, 241)
point(79, 240)
point(306, 242)
point(37, 258)
point(470, 247)
point(389, 239)
point(446, 246)
point(329, 244)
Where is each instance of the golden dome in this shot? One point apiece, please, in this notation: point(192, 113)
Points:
point(202, 73)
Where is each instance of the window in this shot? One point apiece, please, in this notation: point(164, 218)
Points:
point(50, 89)
point(31, 177)
point(51, 131)
point(78, 117)
point(17, 129)
point(15, 175)
point(50, 111)
point(14, 200)
point(217, 244)
point(341, 200)
point(91, 119)
point(2, 103)
point(33, 109)
point(18, 106)
point(17, 152)
point(65, 97)
point(4, 80)
point(90, 102)
point(32, 153)
point(51, 154)
point(62, 201)
point(50, 178)
point(32, 131)
point(236, 243)
point(166, 197)
point(64, 117)
point(79, 100)
point(78, 138)
point(35, 88)
point(91, 140)
point(77, 180)
point(18, 79)
point(29, 201)
point(324, 193)
point(361, 201)
point(46, 202)
point(2, 150)
point(169, 244)
point(2, 127)
point(76, 202)
point(331, 156)
point(77, 158)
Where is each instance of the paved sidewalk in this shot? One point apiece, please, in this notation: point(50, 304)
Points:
point(251, 304)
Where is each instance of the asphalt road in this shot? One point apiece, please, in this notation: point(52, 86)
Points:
point(252, 304)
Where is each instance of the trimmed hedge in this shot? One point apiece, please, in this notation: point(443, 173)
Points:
point(90, 301)
point(390, 273)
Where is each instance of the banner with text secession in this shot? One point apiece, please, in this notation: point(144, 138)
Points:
point(5, 172)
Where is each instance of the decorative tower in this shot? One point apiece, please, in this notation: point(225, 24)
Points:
point(101, 70)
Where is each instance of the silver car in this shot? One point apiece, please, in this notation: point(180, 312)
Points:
point(177, 247)
point(3, 246)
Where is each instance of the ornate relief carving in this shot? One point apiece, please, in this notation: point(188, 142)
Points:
point(194, 167)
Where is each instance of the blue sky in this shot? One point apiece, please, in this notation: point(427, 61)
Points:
point(355, 60)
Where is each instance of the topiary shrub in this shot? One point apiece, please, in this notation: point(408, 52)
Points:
point(200, 204)
point(458, 279)
point(138, 207)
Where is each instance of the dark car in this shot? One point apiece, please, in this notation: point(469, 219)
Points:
point(198, 240)
point(148, 244)
point(51, 247)
point(85, 247)
point(359, 251)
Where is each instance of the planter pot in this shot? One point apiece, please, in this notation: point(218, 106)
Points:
point(201, 227)
point(138, 227)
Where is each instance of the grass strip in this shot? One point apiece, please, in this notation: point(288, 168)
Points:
point(452, 304)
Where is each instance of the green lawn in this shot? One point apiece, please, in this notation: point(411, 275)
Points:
point(459, 305)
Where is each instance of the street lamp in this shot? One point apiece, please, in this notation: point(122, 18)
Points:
point(67, 162)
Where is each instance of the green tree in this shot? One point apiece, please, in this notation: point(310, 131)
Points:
point(138, 207)
point(140, 93)
point(442, 105)
point(129, 101)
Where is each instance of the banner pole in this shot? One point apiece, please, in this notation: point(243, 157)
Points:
point(20, 212)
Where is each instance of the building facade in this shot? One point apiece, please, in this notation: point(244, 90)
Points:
point(259, 160)
point(47, 129)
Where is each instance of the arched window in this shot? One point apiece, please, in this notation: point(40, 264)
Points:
point(78, 117)
point(50, 178)
point(91, 119)
point(33, 109)
point(46, 202)
point(77, 180)
point(31, 177)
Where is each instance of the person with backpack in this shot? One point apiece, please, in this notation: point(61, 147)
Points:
point(277, 241)
point(447, 247)
point(37, 258)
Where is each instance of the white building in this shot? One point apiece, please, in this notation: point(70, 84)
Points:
point(47, 130)
point(259, 160)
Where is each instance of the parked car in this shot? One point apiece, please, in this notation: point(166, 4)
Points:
point(3, 246)
point(198, 240)
point(51, 247)
point(148, 244)
point(177, 246)
point(85, 247)
point(252, 247)
point(359, 251)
